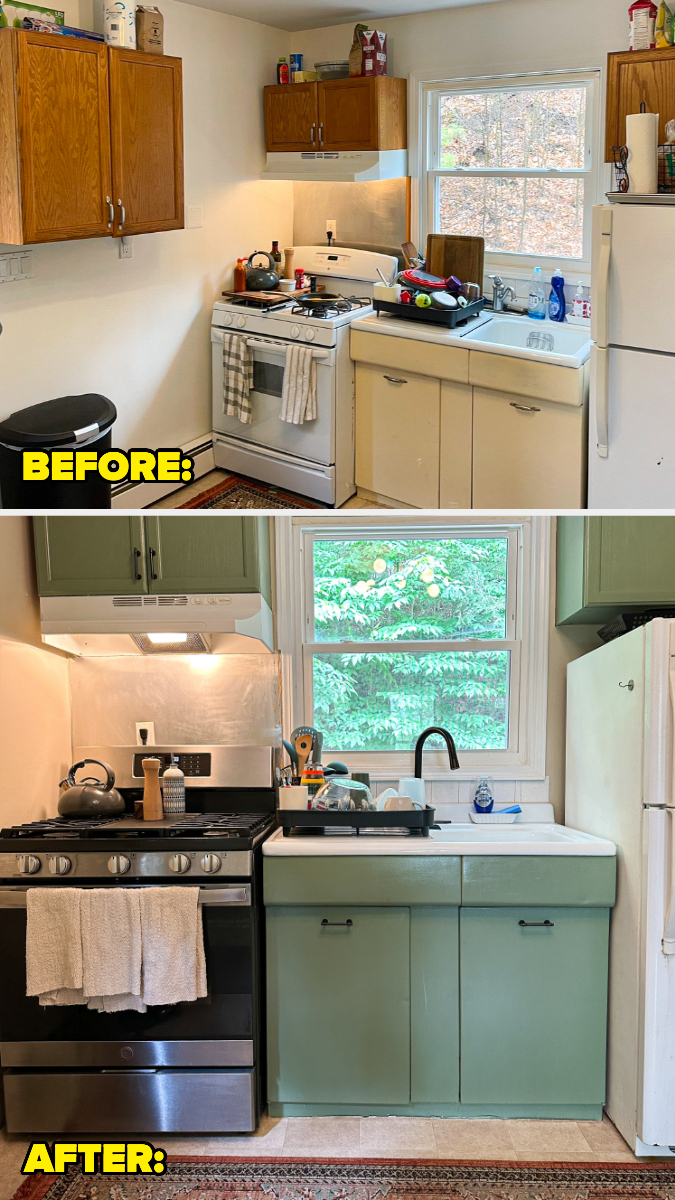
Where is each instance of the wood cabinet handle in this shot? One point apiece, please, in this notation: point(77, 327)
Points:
point(393, 379)
point(537, 924)
point(312, 134)
point(123, 214)
point(347, 922)
point(111, 212)
point(524, 407)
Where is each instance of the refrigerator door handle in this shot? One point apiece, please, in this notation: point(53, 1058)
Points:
point(602, 231)
point(669, 929)
point(600, 393)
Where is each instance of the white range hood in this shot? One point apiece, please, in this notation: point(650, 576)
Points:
point(346, 166)
point(95, 626)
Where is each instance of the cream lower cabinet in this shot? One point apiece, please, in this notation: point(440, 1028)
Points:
point(527, 453)
point(397, 442)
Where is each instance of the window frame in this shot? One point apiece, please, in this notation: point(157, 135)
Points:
point(426, 170)
point(527, 629)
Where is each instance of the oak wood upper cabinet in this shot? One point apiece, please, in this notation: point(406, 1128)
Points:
point(91, 140)
point(146, 119)
point(340, 114)
point(633, 77)
point(55, 166)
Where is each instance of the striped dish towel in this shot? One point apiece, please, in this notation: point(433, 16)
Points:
point(237, 377)
point(298, 396)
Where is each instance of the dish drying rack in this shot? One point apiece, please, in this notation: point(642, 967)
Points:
point(315, 820)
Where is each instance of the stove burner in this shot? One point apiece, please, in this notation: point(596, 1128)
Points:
point(329, 306)
point(199, 825)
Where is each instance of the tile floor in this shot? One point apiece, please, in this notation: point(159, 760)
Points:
point(383, 1137)
point(213, 477)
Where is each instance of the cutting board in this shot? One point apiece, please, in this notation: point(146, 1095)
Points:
point(453, 255)
point(279, 297)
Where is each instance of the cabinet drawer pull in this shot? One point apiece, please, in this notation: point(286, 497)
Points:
point(137, 559)
point(393, 379)
point(348, 922)
point(525, 407)
point(312, 134)
point(123, 214)
point(111, 212)
point(153, 554)
point(537, 924)
point(321, 134)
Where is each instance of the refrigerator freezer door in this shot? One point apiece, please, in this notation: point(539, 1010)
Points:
point(640, 291)
point(639, 469)
point(602, 252)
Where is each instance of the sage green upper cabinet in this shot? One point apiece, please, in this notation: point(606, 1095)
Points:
point(533, 1005)
point(338, 1005)
point(90, 556)
point(609, 565)
point(208, 554)
point(103, 556)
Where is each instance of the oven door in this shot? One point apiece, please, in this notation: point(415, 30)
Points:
point(313, 440)
point(220, 1030)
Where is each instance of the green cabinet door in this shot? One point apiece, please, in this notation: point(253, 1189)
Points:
point(208, 554)
point(338, 1008)
point(609, 565)
point(533, 1005)
point(90, 556)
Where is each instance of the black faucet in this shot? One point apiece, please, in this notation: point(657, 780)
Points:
point(447, 738)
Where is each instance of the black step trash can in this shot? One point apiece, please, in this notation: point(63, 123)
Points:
point(68, 423)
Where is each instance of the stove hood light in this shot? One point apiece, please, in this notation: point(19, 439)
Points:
point(172, 643)
point(344, 166)
point(159, 639)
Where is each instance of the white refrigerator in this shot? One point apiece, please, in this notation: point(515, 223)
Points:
point(631, 461)
point(619, 785)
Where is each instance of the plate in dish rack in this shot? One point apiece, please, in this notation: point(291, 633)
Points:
point(493, 818)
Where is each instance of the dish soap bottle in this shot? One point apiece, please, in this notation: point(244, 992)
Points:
point(483, 799)
point(537, 302)
point(556, 304)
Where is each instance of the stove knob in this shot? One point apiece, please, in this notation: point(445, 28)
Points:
point(211, 863)
point(59, 864)
point(118, 864)
point(310, 335)
point(28, 864)
point(180, 863)
point(241, 322)
point(227, 319)
point(295, 331)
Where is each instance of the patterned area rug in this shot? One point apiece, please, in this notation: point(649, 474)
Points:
point(237, 492)
point(313, 1179)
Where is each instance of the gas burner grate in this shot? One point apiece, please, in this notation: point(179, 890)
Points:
point(58, 827)
point(331, 308)
point(244, 825)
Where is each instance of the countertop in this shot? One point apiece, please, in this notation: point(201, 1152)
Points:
point(419, 331)
point(453, 839)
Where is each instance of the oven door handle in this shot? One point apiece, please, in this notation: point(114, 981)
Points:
point(259, 344)
point(15, 897)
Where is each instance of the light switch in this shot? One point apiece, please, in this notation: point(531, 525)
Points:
point(16, 266)
point(194, 217)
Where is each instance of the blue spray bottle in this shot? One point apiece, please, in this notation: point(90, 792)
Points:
point(556, 304)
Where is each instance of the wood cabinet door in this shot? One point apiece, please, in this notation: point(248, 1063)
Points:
point(533, 1005)
point(348, 114)
point(527, 453)
point(339, 1005)
point(634, 77)
point(90, 556)
point(291, 117)
point(146, 119)
point(397, 435)
point(63, 128)
point(203, 554)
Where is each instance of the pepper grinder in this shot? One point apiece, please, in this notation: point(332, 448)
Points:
point(152, 796)
point(289, 255)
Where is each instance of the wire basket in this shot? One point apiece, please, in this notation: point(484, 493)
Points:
point(667, 168)
point(620, 158)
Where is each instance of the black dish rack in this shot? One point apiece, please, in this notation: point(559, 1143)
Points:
point(315, 820)
point(450, 317)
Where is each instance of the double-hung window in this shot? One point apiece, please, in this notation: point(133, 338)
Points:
point(387, 627)
point(512, 161)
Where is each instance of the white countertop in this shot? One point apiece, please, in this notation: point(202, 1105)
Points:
point(453, 839)
point(419, 331)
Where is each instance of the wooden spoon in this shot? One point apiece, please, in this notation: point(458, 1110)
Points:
point(303, 749)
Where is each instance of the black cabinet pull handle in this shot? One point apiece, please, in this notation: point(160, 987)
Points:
point(153, 574)
point(137, 558)
point(537, 924)
point(347, 922)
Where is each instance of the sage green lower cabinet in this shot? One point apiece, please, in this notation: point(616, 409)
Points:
point(434, 1023)
point(533, 1005)
point(338, 984)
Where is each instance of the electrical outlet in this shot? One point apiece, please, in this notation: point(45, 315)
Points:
point(150, 727)
point(125, 247)
point(331, 227)
point(194, 217)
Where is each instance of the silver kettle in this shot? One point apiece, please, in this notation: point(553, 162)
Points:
point(259, 279)
point(91, 797)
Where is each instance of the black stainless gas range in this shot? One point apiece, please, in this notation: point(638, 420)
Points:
point(190, 1067)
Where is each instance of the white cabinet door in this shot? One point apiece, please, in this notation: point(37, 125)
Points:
point(527, 453)
point(397, 435)
point(456, 437)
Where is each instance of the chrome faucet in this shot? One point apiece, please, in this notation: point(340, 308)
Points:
point(447, 738)
point(500, 293)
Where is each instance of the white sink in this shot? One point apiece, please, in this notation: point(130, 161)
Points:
point(456, 839)
point(509, 336)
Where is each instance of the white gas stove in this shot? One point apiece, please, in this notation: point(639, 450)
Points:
point(316, 458)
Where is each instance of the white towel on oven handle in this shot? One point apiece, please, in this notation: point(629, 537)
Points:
point(174, 966)
point(298, 395)
point(54, 943)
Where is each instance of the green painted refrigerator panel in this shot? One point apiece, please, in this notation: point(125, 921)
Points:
point(90, 556)
point(208, 554)
point(533, 1005)
point(338, 1005)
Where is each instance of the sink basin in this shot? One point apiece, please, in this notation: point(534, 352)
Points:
point(509, 336)
point(453, 839)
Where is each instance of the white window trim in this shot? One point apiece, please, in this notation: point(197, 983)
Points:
point(423, 88)
point(528, 760)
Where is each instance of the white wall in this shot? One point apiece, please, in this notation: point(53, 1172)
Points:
point(138, 331)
